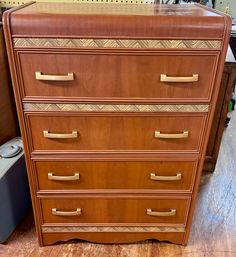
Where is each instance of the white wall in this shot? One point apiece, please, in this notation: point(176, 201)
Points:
point(221, 5)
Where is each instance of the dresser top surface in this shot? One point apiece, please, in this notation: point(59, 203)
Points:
point(109, 20)
point(115, 9)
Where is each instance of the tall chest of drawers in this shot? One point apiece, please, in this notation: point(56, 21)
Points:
point(115, 104)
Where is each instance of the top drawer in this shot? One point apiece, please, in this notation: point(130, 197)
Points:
point(119, 75)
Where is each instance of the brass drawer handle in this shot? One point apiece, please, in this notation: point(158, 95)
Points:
point(66, 213)
point(51, 176)
point(165, 78)
point(73, 134)
point(153, 176)
point(161, 214)
point(184, 134)
point(40, 76)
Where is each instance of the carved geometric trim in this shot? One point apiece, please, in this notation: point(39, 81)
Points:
point(114, 43)
point(34, 107)
point(112, 229)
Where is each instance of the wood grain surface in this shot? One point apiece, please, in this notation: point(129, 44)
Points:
point(8, 120)
point(118, 132)
point(120, 21)
point(225, 94)
point(114, 132)
point(213, 233)
point(117, 175)
point(109, 209)
point(119, 75)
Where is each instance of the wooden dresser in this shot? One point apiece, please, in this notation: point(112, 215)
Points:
point(115, 104)
point(8, 118)
point(227, 88)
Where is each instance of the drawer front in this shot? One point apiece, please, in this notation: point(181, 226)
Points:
point(115, 210)
point(117, 75)
point(117, 132)
point(158, 175)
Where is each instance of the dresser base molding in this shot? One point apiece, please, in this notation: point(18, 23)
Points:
point(70, 107)
point(109, 237)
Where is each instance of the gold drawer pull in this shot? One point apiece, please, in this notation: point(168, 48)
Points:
point(47, 134)
point(161, 214)
point(153, 176)
point(40, 76)
point(66, 213)
point(158, 134)
point(165, 78)
point(63, 178)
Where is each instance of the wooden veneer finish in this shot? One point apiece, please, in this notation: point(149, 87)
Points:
point(8, 119)
point(136, 22)
point(118, 75)
point(118, 20)
point(226, 90)
point(117, 175)
point(117, 132)
point(115, 210)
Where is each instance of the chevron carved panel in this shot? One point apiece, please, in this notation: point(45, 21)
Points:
point(115, 43)
point(34, 107)
point(113, 229)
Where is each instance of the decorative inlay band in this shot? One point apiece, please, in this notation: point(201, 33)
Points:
point(67, 107)
point(113, 229)
point(114, 43)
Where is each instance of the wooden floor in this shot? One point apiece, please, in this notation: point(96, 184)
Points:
point(213, 231)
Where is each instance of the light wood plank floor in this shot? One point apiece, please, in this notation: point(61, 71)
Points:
point(213, 232)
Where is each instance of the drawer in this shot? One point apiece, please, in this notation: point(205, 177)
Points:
point(115, 210)
point(117, 75)
point(168, 133)
point(158, 175)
